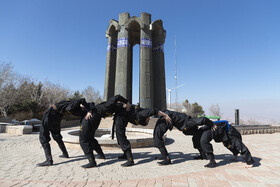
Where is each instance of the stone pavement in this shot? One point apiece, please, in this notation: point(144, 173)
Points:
point(20, 153)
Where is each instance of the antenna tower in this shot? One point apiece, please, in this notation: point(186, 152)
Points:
point(175, 63)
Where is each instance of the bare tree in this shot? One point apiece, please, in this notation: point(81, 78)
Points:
point(7, 76)
point(92, 95)
point(178, 107)
point(7, 98)
point(188, 107)
point(30, 97)
point(8, 90)
point(215, 110)
point(53, 93)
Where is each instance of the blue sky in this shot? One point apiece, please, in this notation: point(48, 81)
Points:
point(228, 52)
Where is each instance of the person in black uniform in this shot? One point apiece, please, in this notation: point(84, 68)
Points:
point(231, 139)
point(88, 142)
point(182, 122)
point(196, 136)
point(51, 124)
point(137, 116)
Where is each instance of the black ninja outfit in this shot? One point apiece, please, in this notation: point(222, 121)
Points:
point(88, 142)
point(51, 124)
point(182, 122)
point(231, 139)
point(136, 116)
point(196, 136)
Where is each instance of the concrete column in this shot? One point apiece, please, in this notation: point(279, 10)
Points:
point(159, 70)
point(236, 116)
point(109, 86)
point(146, 69)
point(123, 78)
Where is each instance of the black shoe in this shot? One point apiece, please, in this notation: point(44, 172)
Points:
point(166, 161)
point(124, 157)
point(200, 157)
point(211, 165)
point(100, 156)
point(46, 163)
point(64, 155)
point(90, 165)
point(251, 162)
point(128, 163)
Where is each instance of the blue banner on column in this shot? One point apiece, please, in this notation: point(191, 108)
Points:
point(111, 47)
point(158, 48)
point(146, 42)
point(122, 42)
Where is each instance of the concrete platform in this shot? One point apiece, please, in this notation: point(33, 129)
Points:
point(138, 138)
point(15, 129)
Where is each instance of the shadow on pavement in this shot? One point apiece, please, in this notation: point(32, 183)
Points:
point(68, 160)
point(176, 157)
point(168, 141)
point(227, 159)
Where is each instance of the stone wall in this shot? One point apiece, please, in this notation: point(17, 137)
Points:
point(257, 129)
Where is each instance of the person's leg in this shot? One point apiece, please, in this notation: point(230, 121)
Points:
point(121, 137)
point(91, 161)
point(56, 134)
point(96, 146)
point(228, 144)
point(160, 129)
point(44, 138)
point(196, 144)
point(244, 151)
point(98, 149)
point(207, 147)
point(121, 123)
point(85, 142)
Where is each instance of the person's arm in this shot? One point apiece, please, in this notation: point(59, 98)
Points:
point(89, 108)
point(88, 115)
point(165, 116)
point(214, 127)
point(121, 99)
point(127, 107)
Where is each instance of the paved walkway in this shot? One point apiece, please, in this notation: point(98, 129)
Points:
point(20, 153)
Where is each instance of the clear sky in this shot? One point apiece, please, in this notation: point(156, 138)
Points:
point(228, 52)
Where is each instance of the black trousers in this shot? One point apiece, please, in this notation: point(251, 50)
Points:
point(159, 130)
point(196, 138)
point(205, 140)
point(50, 124)
point(234, 144)
point(88, 142)
point(121, 124)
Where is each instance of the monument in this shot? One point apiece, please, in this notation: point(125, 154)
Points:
point(122, 36)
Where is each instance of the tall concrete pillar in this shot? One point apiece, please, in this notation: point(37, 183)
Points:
point(109, 87)
point(158, 65)
point(146, 69)
point(123, 77)
point(125, 34)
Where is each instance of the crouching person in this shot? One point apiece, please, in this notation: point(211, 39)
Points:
point(231, 139)
point(88, 142)
point(182, 122)
point(51, 124)
point(137, 116)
